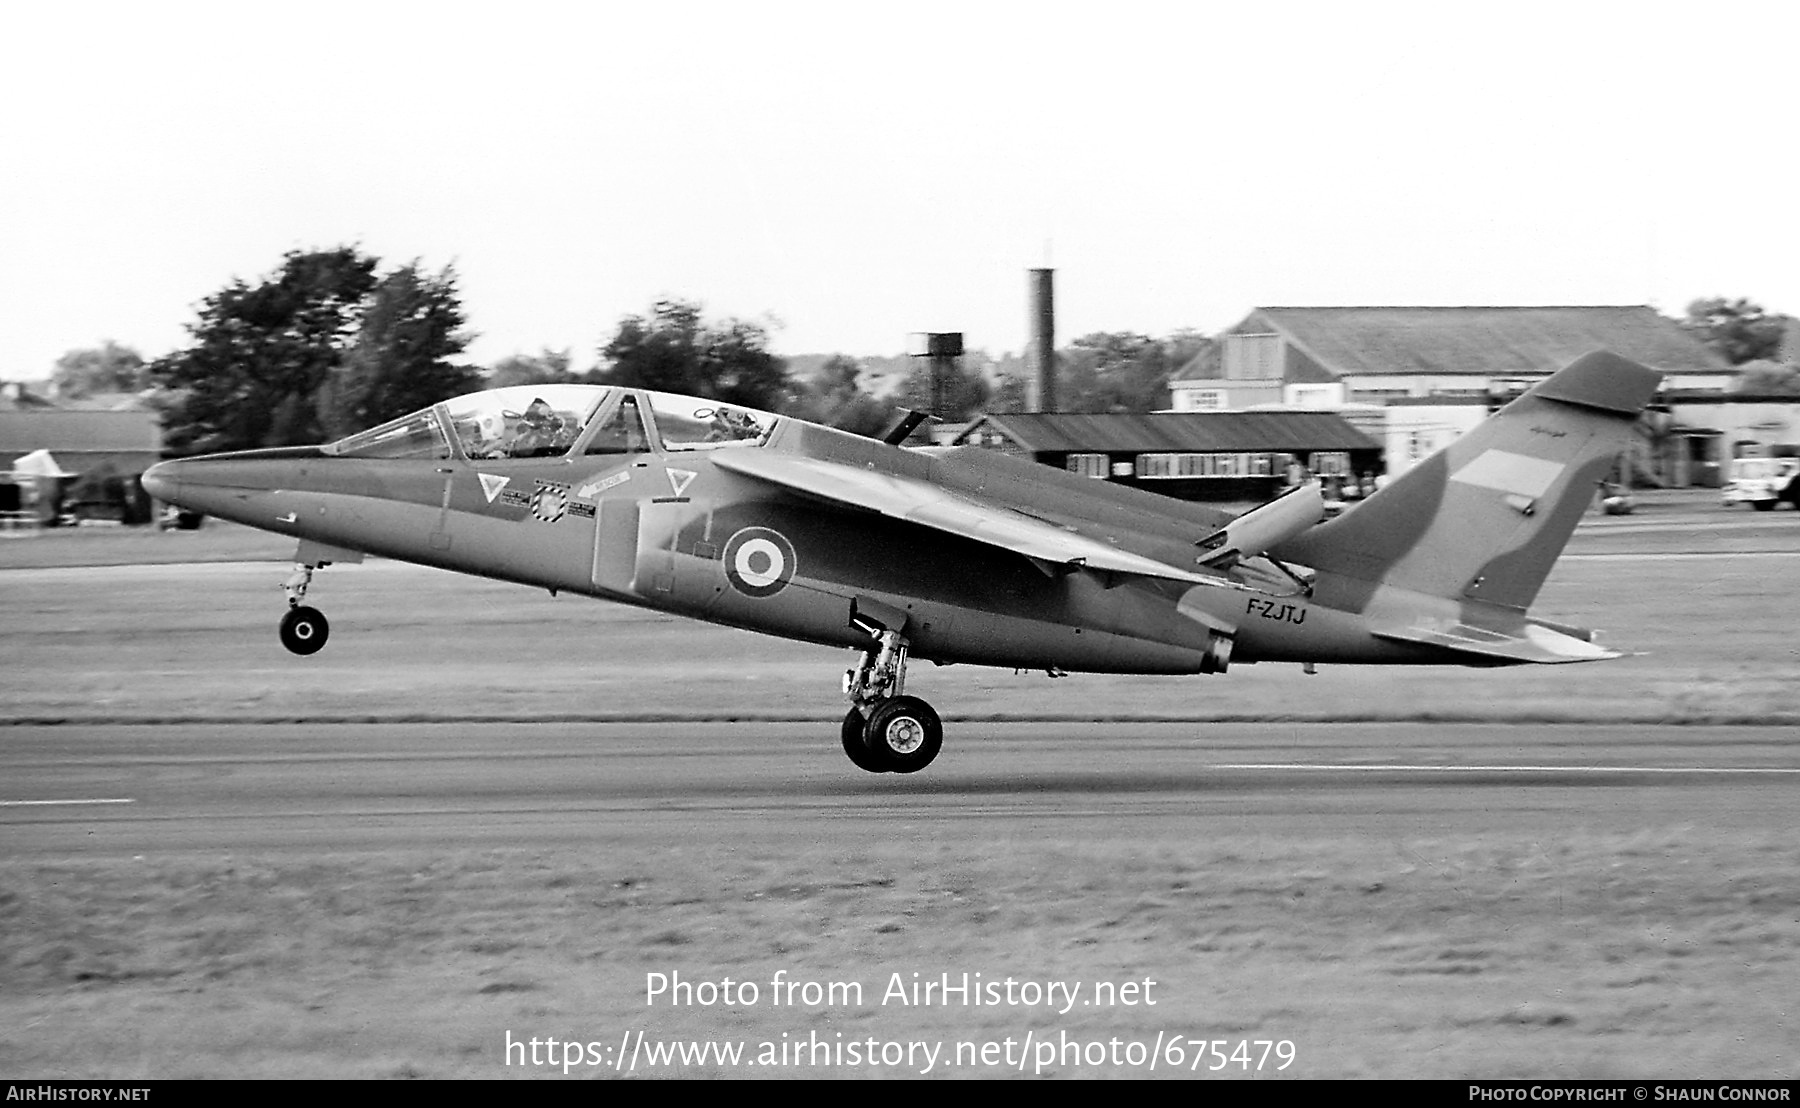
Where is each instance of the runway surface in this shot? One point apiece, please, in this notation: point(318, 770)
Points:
point(110, 791)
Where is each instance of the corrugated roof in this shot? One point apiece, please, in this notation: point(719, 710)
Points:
point(60, 430)
point(1189, 431)
point(1484, 341)
point(18, 396)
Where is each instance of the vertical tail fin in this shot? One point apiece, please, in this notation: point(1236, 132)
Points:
point(1486, 517)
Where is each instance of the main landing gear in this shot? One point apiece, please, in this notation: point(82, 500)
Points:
point(303, 630)
point(886, 732)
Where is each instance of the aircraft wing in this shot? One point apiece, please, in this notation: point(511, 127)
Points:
point(915, 501)
point(1529, 642)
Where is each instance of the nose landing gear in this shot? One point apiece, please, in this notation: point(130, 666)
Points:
point(303, 630)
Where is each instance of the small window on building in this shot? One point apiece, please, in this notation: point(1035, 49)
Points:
point(1219, 465)
point(1376, 396)
point(1088, 465)
point(1329, 463)
point(1314, 394)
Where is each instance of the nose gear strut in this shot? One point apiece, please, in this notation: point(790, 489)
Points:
point(303, 630)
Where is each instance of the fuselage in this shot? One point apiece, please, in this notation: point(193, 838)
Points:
point(625, 500)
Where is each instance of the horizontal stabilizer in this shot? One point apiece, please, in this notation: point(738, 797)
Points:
point(1601, 380)
point(1260, 528)
point(1531, 642)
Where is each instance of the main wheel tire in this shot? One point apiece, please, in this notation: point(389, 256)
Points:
point(1763, 505)
point(304, 630)
point(903, 734)
point(854, 726)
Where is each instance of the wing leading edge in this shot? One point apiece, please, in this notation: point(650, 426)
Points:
point(928, 505)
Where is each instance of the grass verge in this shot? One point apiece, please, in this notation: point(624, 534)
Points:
point(1670, 954)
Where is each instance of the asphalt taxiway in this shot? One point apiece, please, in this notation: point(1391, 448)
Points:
point(98, 791)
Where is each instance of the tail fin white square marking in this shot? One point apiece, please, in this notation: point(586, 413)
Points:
point(1518, 474)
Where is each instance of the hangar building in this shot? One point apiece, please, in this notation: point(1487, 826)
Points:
point(1221, 456)
point(104, 451)
point(1416, 378)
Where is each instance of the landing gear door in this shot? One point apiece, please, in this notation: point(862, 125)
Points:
point(615, 544)
point(659, 528)
point(617, 440)
point(635, 545)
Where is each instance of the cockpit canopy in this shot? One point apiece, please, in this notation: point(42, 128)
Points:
point(549, 421)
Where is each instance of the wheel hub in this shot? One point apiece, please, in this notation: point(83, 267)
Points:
point(905, 735)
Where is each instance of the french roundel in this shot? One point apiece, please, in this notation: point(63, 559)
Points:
point(759, 562)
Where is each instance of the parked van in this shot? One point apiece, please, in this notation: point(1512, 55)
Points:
point(1762, 483)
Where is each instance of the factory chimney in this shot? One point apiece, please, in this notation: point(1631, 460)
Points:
point(1040, 353)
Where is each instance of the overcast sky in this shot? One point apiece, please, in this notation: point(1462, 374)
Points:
point(858, 171)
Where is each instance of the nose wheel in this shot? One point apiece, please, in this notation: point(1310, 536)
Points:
point(304, 629)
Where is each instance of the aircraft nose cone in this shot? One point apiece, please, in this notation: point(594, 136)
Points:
point(162, 481)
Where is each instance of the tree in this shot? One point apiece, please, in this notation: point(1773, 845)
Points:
point(1124, 371)
point(320, 347)
point(548, 367)
point(1114, 371)
point(399, 361)
point(107, 368)
point(1010, 393)
point(675, 350)
point(1008, 380)
point(834, 396)
point(1764, 378)
point(1187, 344)
point(260, 354)
point(1738, 329)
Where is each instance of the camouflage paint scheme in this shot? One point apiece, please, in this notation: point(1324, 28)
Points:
point(975, 557)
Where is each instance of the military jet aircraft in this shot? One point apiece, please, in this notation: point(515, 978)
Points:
point(955, 555)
